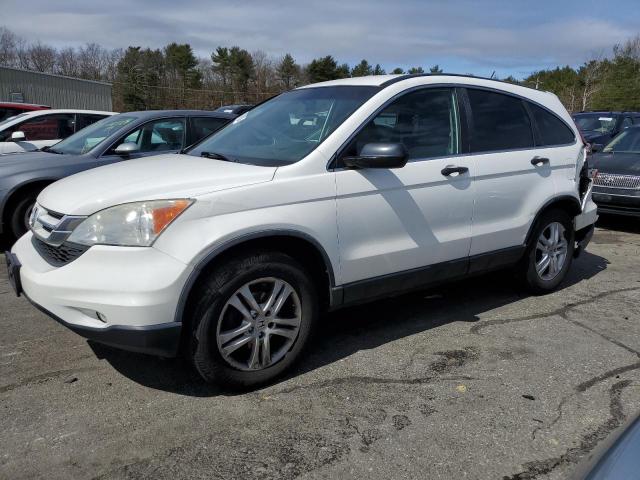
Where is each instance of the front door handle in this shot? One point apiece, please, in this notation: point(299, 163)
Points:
point(539, 161)
point(448, 171)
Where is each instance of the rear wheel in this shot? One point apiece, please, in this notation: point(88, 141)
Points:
point(19, 217)
point(253, 317)
point(550, 252)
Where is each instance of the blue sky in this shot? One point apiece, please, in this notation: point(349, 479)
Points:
point(463, 36)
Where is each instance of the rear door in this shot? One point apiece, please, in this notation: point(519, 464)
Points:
point(512, 178)
point(393, 223)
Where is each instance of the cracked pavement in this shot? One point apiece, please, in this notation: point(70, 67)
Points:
point(472, 380)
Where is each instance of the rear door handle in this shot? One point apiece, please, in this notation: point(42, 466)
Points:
point(448, 171)
point(539, 161)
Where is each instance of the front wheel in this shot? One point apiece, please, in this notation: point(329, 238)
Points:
point(550, 252)
point(19, 218)
point(253, 317)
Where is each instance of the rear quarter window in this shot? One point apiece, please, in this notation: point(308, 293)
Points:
point(551, 129)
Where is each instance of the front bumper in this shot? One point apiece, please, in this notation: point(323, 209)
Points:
point(121, 296)
point(617, 201)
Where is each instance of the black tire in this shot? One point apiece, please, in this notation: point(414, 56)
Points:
point(18, 218)
point(527, 271)
point(217, 289)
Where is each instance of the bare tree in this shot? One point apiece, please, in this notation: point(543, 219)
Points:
point(591, 76)
point(42, 58)
point(67, 62)
point(8, 47)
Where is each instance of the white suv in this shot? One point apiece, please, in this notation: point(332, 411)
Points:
point(325, 196)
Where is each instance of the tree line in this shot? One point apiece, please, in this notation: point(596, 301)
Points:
point(174, 77)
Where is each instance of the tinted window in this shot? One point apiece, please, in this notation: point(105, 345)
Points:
point(44, 127)
point(424, 121)
point(204, 126)
point(286, 128)
point(163, 135)
point(7, 112)
point(83, 120)
point(552, 130)
point(500, 122)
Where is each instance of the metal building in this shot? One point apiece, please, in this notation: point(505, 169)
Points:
point(56, 91)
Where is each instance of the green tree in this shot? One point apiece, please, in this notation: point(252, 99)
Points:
point(415, 70)
point(324, 69)
point(288, 72)
point(398, 71)
point(139, 74)
point(378, 70)
point(242, 70)
point(221, 61)
point(436, 69)
point(362, 69)
point(181, 63)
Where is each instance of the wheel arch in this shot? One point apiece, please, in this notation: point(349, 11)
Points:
point(299, 245)
point(17, 191)
point(565, 202)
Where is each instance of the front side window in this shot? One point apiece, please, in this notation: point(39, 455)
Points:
point(627, 122)
point(163, 135)
point(552, 130)
point(90, 137)
point(286, 128)
point(44, 127)
point(424, 121)
point(500, 122)
point(626, 142)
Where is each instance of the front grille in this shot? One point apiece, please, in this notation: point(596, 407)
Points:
point(58, 256)
point(613, 180)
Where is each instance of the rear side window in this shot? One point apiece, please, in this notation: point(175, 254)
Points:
point(204, 126)
point(84, 120)
point(552, 130)
point(500, 122)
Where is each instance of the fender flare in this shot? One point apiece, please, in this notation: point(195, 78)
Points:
point(561, 199)
point(218, 250)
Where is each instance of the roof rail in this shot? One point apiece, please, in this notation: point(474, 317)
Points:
point(407, 76)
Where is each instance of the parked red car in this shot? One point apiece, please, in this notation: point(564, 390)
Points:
point(10, 109)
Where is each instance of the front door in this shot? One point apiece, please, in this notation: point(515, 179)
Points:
point(392, 223)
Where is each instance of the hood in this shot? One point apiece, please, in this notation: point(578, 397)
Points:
point(150, 178)
point(620, 163)
point(28, 161)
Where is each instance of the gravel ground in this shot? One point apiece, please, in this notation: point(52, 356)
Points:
point(471, 380)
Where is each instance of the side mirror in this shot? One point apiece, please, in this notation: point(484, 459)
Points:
point(379, 155)
point(18, 136)
point(127, 148)
point(596, 147)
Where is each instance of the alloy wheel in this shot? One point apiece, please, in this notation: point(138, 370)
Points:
point(551, 251)
point(259, 324)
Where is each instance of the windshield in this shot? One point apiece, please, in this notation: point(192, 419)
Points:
point(595, 122)
point(90, 137)
point(286, 128)
point(627, 142)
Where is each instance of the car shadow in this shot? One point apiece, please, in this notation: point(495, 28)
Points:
point(619, 222)
point(345, 332)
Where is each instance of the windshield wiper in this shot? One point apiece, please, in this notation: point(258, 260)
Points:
point(50, 150)
point(215, 156)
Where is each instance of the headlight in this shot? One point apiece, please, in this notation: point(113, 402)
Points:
point(131, 224)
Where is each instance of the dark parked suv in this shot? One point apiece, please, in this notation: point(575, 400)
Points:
point(599, 128)
point(113, 139)
point(616, 188)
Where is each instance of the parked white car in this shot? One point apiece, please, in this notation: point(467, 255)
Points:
point(325, 196)
point(34, 130)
